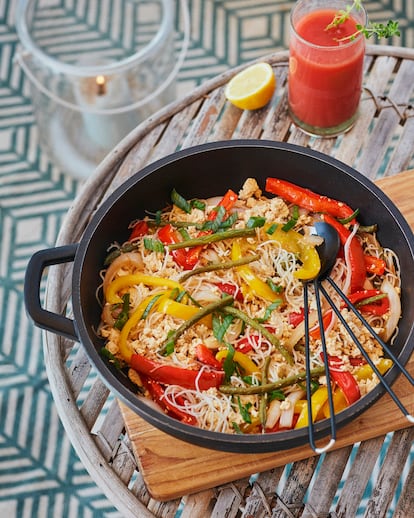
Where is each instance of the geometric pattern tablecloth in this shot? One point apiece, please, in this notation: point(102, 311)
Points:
point(40, 474)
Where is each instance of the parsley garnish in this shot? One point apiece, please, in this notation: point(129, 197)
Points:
point(154, 245)
point(293, 219)
point(255, 222)
point(111, 358)
point(244, 411)
point(180, 202)
point(220, 326)
point(123, 315)
point(272, 228)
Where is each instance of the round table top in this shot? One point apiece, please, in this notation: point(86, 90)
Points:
point(379, 145)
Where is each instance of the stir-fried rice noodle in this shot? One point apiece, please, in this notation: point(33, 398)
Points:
point(214, 409)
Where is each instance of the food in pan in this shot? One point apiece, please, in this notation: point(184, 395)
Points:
point(203, 307)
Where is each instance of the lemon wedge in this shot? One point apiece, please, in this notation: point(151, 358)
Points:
point(252, 88)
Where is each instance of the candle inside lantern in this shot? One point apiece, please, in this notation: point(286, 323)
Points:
point(105, 93)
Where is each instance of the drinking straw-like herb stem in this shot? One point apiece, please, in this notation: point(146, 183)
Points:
point(212, 238)
point(226, 265)
point(270, 387)
point(262, 330)
point(168, 346)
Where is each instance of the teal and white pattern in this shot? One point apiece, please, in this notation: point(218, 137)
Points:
point(40, 474)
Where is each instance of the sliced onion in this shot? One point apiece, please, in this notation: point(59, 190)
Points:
point(299, 331)
point(273, 413)
point(286, 417)
point(128, 260)
point(107, 315)
point(395, 309)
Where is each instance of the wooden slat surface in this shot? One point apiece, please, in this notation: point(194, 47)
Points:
point(172, 468)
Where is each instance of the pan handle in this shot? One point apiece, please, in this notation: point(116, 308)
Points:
point(43, 318)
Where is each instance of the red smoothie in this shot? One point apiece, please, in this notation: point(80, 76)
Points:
point(325, 74)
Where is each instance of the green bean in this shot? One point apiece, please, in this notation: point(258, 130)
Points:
point(226, 265)
point(212, 238)
point(270, 387)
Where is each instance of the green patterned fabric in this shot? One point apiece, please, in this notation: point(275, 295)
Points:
point(40, 474)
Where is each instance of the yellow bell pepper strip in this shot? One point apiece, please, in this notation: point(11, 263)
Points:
point(111, 294)
point(256, 286)
point(253, 427)
point(339, 403)
point(300, 405)
point(125, 349)
point(248, 365)
point(318, 399)
point(365, 372)
point(294, 242)
point(179, 310)
point(311, 264)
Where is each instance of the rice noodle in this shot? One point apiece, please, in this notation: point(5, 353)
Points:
point(213, 409)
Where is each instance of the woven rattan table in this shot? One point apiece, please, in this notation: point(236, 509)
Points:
point(380, 144)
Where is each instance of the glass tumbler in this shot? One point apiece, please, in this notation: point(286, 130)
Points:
point(325, 67)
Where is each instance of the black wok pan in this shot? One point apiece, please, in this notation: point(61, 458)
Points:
point(205, 171)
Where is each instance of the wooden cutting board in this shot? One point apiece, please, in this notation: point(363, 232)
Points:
point(172, 468)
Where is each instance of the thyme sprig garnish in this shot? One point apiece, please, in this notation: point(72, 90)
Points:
point(379, 30)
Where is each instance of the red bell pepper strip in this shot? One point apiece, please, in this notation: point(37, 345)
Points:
point(227, 202)
point(296, 317)
point(140, 229)
point(230, 289)
point(344, 379)
point(315, 332)
point(356, 254)
point(308, 199)
point(172, 375)
point(374, 264)
point(157, 394)
point(357, 362)
point(206, 356)
point(167, 236)
point(378, 307)
point(245, 345)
